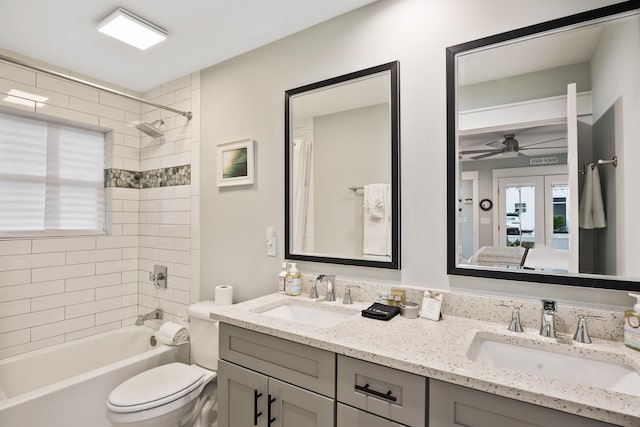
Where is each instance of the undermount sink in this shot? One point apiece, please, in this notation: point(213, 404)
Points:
point(561, 366)
point(310, 313)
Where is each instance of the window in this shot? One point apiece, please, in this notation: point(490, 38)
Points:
point(51, 178)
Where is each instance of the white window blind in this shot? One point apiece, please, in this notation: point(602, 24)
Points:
point(51, 177)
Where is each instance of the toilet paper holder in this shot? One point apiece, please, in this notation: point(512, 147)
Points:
point(159, 276)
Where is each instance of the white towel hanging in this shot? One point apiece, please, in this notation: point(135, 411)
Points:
point(591, 213)
point(377, 220)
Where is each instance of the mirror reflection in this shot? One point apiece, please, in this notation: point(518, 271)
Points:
point(342, 172)
point(543, 150)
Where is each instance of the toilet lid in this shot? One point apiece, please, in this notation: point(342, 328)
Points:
point(155, 387)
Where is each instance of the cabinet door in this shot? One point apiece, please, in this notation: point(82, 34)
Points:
point(242, 396)
point(453, 406)
point(352, 417)
point(295, 407)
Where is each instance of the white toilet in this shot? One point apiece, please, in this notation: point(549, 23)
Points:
point(176, 394)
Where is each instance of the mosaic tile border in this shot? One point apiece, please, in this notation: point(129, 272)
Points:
point(164, 177)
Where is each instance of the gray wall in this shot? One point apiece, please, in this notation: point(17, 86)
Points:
point(244, 97)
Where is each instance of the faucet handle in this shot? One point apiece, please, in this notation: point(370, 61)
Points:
point(549, 307)
point(313, 294)
point(514, 324)
point(582, 334)
point(347, 294)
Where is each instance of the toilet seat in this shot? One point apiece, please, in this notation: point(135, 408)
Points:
point(155, 387)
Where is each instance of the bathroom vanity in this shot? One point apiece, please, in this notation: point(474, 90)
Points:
point(404, 372)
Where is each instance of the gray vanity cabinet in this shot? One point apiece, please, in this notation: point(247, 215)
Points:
point(452, 405)
point(262, 377)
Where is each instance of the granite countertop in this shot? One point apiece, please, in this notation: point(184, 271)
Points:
point(438, 350)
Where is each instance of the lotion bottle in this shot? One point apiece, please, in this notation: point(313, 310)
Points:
point(632, 325)
point(282, 278)
point(293, 281)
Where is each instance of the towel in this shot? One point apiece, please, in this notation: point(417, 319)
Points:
point(172, 334)
point(377, 220)
point(591, 213)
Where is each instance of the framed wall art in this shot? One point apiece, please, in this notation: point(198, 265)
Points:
point(235, 163)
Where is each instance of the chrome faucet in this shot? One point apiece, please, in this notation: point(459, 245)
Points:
point(157, 314)
point(347, 294)
point(547, 322)
point(331, 281)
point(514, 324)
point(582, 335)
point(313, 294)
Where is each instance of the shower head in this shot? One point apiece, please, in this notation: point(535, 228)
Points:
point(152, 129)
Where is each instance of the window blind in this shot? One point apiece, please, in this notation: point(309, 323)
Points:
point(51, 177)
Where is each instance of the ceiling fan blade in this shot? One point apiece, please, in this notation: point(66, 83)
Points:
point(478, 151)
point(484, 156)
point(541, 148)
point(496, 144)
point(542, 142)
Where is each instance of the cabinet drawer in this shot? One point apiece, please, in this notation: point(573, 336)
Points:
point(308, 367)
point(390, 393)
point(352, 417)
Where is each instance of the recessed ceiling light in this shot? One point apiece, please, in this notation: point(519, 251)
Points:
point(25, 98)
point(131, 29)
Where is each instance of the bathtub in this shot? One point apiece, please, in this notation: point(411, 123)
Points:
point(67, 385)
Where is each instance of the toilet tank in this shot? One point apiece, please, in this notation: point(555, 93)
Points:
point(204, 335)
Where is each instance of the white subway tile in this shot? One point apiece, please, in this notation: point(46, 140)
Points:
point(130, 206)
point(131, 299)
point(195, 237)
point(65, 113)
point(121, 314)
point(15, 247)
point(182, 218)
point(149, 205)
point(61, 328)
point(195, 169)
point(180, 283)
point(175, 205)
point(90, 282)
point(175, 231)
point(93, 307)
point(82, 257)
point(131, 164)
point(17, 74)
point(116, 205)
point(180, 257)
point(125, 193)
point(19, 262)
point(13, 308)
point(116, 230)
point(130, 253)
point(129, 276)
point(62, 300)
point(184, 81)
point(124, 217)
point(116, 266)
point(30, 290)
point(182, 270)
point(183, 93)
point(195, 276)
point(130, 229)
point(96, 109)
point(131, 141)
point(126, 128)
point(116, 242)
point(52, 98)
point(195, 210)
point(126, 152)
point(181, 244)
point(120, 102)
point(29, 320)
point(15, 338)
point(116, 291)
point(149, 230)
point(63, 272)
point(67, 88)
point(149, 253)
point(63, 244)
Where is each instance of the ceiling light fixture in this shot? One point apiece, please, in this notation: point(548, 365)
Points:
point(131, 29)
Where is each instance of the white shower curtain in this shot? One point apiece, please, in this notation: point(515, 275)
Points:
point(301, 184)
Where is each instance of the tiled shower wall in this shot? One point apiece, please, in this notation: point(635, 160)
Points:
point(54, 290)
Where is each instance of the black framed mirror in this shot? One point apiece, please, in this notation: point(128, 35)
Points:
point(342, 169)
point(542, 132)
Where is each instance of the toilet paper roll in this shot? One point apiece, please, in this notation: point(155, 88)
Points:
point(224, 295)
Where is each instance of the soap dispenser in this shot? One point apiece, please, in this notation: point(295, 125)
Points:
point(632, 325)
point(293, 282)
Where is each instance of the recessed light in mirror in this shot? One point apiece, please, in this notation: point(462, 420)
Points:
point(131, 29)
point(25, 98)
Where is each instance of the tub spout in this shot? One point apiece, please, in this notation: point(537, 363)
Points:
point(157, 314)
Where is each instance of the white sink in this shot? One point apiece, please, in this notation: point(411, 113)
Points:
point(566, 367)
point(310, 313)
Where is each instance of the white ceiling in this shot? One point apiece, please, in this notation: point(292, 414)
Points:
point(201, 33)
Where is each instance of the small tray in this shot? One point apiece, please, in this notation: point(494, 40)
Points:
point(381, 311)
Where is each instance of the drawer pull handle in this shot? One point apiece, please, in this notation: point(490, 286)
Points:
point(269, 419)
point(366, 389)
point(256, 414)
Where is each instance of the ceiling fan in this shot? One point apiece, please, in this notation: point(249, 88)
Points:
point(509, 145)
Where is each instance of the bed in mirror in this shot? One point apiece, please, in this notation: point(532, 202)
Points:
point(543, 136)
point(342, 161)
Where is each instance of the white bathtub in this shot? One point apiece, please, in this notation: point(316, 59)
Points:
point(67, 385)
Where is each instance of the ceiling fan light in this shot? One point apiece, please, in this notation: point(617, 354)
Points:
point(131, 29)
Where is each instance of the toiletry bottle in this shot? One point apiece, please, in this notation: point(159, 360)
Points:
point(632, 325)
point(282, 278)
point(293, 281)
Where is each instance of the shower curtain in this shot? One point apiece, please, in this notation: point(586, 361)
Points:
point(301, 189)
